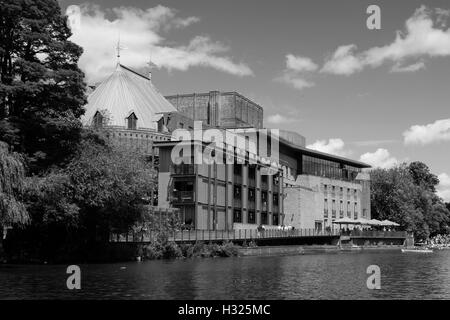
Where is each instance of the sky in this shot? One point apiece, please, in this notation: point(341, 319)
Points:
point(381, 96)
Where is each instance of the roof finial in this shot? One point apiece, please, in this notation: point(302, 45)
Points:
point(151, 65)
point(119, 48)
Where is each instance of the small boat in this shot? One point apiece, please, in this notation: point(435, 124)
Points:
point(417, 250)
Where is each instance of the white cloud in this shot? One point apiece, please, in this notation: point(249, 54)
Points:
point(296, 72)
point(425, 36)
point(332, 146)
point(371, 143)
point(425, 134)
point(295, 81)
point(141, 32)
point(278, 119)
point(410, 68)
point(300, 64)
point(379, 159)
point(343, 61)
point(443, 189)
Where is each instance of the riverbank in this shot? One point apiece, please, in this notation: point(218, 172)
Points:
point(299, 250)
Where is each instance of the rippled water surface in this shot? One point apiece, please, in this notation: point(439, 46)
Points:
point(321, 276)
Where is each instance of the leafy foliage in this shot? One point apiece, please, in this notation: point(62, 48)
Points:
point(12, 177)
point(42, 91)
point(406, 194)
point(100, 189)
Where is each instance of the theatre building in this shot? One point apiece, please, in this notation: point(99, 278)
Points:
point(308, 189)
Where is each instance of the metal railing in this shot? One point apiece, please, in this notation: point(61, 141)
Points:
point(183, 196)
point(377, 234)
point(223, 235)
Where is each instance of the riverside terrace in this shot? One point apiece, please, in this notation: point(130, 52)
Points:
point(263, 236)
point(271, 237)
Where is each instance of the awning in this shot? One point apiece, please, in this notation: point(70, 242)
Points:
point(388, 223)
point(363, 221)
point(374, 222)
point(345, 221)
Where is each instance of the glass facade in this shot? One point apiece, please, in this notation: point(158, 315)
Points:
point(329, 169)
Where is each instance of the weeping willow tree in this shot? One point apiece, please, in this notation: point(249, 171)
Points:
point(12, 177)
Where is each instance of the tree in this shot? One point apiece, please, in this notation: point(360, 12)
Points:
point(406, 194)
point(422, 176)
point(102, 188)
point(12, 175)
point(42, 92)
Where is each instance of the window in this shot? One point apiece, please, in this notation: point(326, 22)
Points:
point(264, 197)
point(263, 217)
point(276, 180)
point(330, 169)
point(98, 120)
point(349, 210)
point(237, 216)
point(333, 209)
point(275, 219)
point(237, 192)
point(237, 168)
point(325, 208)
point(275, 199)
point(251, 217)
point(251, 195)
point(251, 172)
point(264, 180)
point(132, 121)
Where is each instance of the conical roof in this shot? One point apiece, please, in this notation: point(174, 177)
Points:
point(123, 93)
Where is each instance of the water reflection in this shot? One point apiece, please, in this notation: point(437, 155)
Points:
point(322, 276)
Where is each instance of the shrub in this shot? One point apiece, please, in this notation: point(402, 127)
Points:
point(228, 249)
point(172, 250)
point(153, 251)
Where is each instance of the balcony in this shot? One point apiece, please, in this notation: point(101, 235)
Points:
point(183, 197)
point(183, 169)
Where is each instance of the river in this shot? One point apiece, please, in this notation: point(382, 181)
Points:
point(315, 276)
